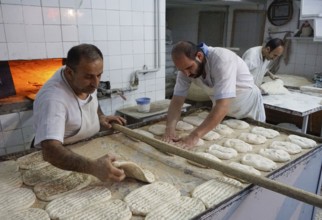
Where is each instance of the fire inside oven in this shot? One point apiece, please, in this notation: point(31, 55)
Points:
point(24, 77)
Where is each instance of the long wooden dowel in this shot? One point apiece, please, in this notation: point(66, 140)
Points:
point(295, 193)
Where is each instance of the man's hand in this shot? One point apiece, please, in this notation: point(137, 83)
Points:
point(104, 169)
point(106, 121)
point(187, 142)
point(169, 136)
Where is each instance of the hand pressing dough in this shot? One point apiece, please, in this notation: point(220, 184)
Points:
point(34, 160)
point(239, 145)
point(289, 147)
point(135, 171)
point(182, 209)
point(275, 87)
point(303, 142)
point(206, 155)
point(77, 201)
point(276, 155)
point(236, 124)
point(210, 136)
point(27, 214)
point(216, 190)
point(147, 198)
point(221, 152)
point(183, 126)
point(143, 132)
point(194, 120)
point(157, 129)
point(252, 138)
point(16, 200)
point(259, 162)
point(223, 129)
point(266, 132)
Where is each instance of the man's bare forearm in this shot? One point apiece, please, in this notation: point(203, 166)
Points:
point(174, 111)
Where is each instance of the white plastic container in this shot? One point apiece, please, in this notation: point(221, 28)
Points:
point(143, 104)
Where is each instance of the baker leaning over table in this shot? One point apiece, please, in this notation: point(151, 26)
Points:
point(224, 76)
point(259, 59)
point(66, 110)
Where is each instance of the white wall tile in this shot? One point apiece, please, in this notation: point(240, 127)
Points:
point(50, 3)
point(31, 2)
point(99, 17)
point(26, 119)
point(138, 47)
point(15, 2)
point(15, 149)
point(67, 3)
point(138, 61)
point(4, 51)
point(35, 33)
point(12, 14)
point(137, 18)
point(85, 33)
point(126, 5)
point(310, 59)
point(2, 33)
point(113, 4)
point(12, 137)
point(105, 106)
point(37, 51)
point(149, 46)
point(127, 47)
point(69, 33)
point(1, 17)
point(15, 33)
point(32, 15)
point(138, 33)
point(149, 33)
point(67, 46)
point(148, 5)
point(17, 51)
point(53, 33)
point(68, 16)
point(114, 76)
point(114, 62)
point(102, 45)
point(113, 33)
point(112, 17)
point(125, 18)
point(98, 4)
point(127, 61)
point(149, 60)
point(148, 18)
point(113, 47)
point(84, 16)
point(10, 121)
point(85, 4)
point(100, 33)
point(126, 32)
point(51, 15)
point(28, 134)
point(54, 50)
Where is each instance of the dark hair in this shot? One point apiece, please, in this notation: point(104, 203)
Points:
point(187, 48)
point(275, 42)
point(88, 52)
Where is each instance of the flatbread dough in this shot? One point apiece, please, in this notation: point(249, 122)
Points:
point(210, 136)
point(194, 120)
point(216, 190)
point(157, 129)
point(77, 201)
point(10, 181)
point(206, 155)
point(183, 126)
point(275, 87)
point(252, 138)
point(276, 155)
point(289, 147)
point(239, 145)
point(245, 168)
point(266, 132)
point(34, 160)
point(48, 191)
point(28, 214)
point(182, 209)
point(259, 162)
point(223, 129)
point(46, 174)
point(303, 142)
point(8, 166)
point(135, 171)
point(236, 124)
point(147, 198)
point(203, 115)
point(112, 210)
point(16, 199)
point(221, 152)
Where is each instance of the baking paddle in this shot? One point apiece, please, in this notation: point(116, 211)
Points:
point(295, 193)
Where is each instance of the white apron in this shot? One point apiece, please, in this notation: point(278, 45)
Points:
point(247, 104)
point(259, 73)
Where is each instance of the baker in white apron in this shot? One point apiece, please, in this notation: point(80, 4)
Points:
point(224, 76)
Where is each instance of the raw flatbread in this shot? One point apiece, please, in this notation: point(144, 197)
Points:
point(236, 124)
point(266, 132)
point(199, 143)
point(245, 168)
point(223, 129)
point(259, 162)
point(183, 126)
point(10, 181)
point(239, 145)
point(48, 191)
point(46, 174)
point(8, 166)
point(276, 155)
point(146, 198)
point(34, 160)
point(275, 87)
point(221, 152)
point(289, 147)
point(211, 135)
point(28, 214)
point(135, 171)
point(16, 200)
point(206, 155)
point(182, 209)
point(303, 142)
point(157, 129)
point(194, 120)
point(143, 132)
point(252, 138)
point(112, 210)
point(77, 201)
point(203, 115)
point(215, 191)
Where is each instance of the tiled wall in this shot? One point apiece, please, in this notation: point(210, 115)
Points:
point(123, 29)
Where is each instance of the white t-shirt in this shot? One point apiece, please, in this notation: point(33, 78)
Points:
point(56, 110)
point(257, 65)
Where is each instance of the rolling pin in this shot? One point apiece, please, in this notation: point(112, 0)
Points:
point(295, 193)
